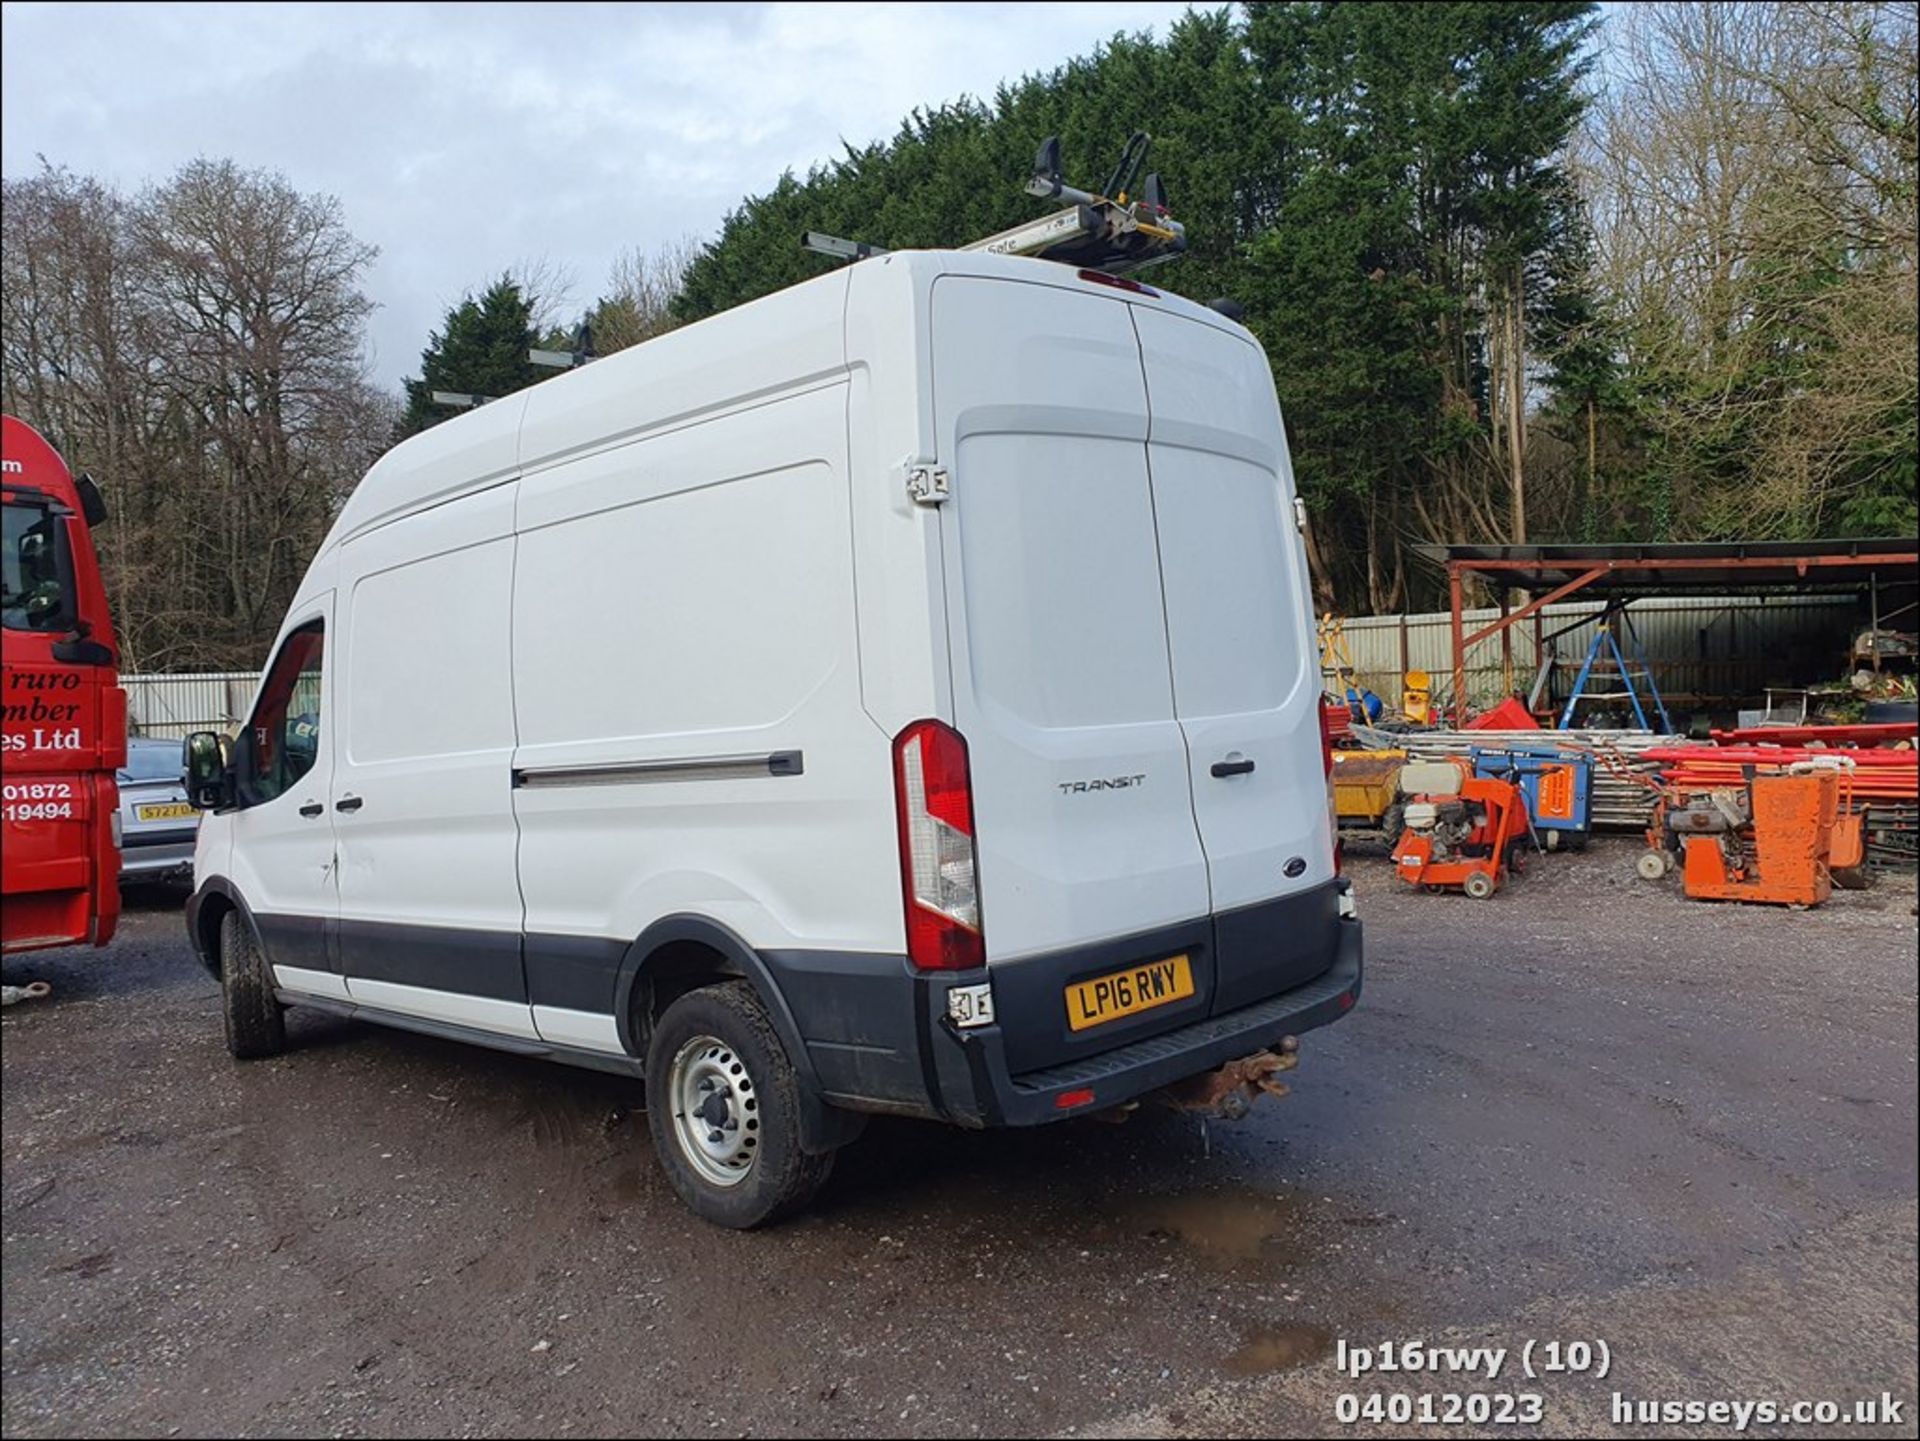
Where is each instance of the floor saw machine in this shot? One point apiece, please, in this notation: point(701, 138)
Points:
point(1462, 830)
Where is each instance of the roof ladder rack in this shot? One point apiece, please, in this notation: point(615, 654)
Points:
point(1111, 232)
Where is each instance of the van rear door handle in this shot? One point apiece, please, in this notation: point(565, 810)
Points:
point(1232, 768)
point(312, 809)
point(349, 804)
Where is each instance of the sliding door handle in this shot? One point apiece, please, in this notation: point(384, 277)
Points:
point(348, 804)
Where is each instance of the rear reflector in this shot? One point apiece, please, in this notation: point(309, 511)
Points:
point(1071, 1100)
point(933, 795)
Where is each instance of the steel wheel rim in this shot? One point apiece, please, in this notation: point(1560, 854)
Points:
point(716, 1110)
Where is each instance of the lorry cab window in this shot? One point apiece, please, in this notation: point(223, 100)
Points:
point(32, 593)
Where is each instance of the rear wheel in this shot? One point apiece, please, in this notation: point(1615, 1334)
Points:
point(1652, 865)
point(723, 1104)
point(1479, 885)
point(256, 1021)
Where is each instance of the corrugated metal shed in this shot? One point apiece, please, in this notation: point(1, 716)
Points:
point(1714, 649)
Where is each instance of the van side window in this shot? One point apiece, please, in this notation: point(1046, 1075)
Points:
point(282, 737)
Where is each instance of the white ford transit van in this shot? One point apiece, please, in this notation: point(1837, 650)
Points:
point(893, 696)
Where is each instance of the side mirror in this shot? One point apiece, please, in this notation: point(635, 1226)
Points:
point(209, 785)
point(93, 505)
point(77, 649)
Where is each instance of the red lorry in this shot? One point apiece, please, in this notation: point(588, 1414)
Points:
point(64, 730)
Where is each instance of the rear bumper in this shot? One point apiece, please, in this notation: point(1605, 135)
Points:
point(994, 1097)
point(877, 1036)
point(143, 860)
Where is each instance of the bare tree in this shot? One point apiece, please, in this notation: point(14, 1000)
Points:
point(1751, 176)
point(548, 286)
point(199, 348)
point(640, 293)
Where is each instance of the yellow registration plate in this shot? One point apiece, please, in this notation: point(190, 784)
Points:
point(1126, 993)
point(175, 811)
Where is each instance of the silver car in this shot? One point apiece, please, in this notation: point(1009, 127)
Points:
point(157, 825)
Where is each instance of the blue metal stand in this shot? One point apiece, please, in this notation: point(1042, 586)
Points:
point(1604, 640)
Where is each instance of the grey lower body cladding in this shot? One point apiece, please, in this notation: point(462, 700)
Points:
point(878, 1036)
point(870, 1034)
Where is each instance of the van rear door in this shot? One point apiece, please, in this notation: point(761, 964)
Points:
point(1245, 681)
point(1060, 673)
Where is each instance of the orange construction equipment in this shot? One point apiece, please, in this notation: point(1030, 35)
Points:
point(1775, 847)
point(1695, 801)
point(1460, 829)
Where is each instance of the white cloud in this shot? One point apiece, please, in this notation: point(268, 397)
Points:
point(463, 138)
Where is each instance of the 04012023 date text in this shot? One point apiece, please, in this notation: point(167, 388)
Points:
point(1440, 1408)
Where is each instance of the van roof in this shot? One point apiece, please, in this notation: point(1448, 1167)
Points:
point(701, 369)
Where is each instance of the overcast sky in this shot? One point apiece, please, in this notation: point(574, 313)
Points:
point(465, 138)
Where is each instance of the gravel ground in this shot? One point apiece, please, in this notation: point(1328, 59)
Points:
point(1585, 1109)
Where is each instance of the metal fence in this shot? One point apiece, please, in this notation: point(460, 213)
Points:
point(171, 706)
point(1702, 651)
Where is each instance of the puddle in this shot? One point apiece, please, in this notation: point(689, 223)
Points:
point(1278, 1348)
point(1228, 1225)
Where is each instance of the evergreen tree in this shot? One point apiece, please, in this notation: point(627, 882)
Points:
point(1378, 185)
point(481, 349)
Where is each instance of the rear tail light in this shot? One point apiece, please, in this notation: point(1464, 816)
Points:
point(939, 869)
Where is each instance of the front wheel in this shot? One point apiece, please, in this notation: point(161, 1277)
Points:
point(723, 1104)
point(256, 1021)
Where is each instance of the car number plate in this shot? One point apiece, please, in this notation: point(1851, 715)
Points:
point(1126, 993)
point(173, 811)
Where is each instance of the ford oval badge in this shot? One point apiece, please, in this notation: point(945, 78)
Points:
point(1296, 866)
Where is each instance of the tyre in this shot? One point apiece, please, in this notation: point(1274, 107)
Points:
point(1652, 865)
point(723, 1104)
point(256, 1021)
point(1393, 821)
point(1479, 885)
